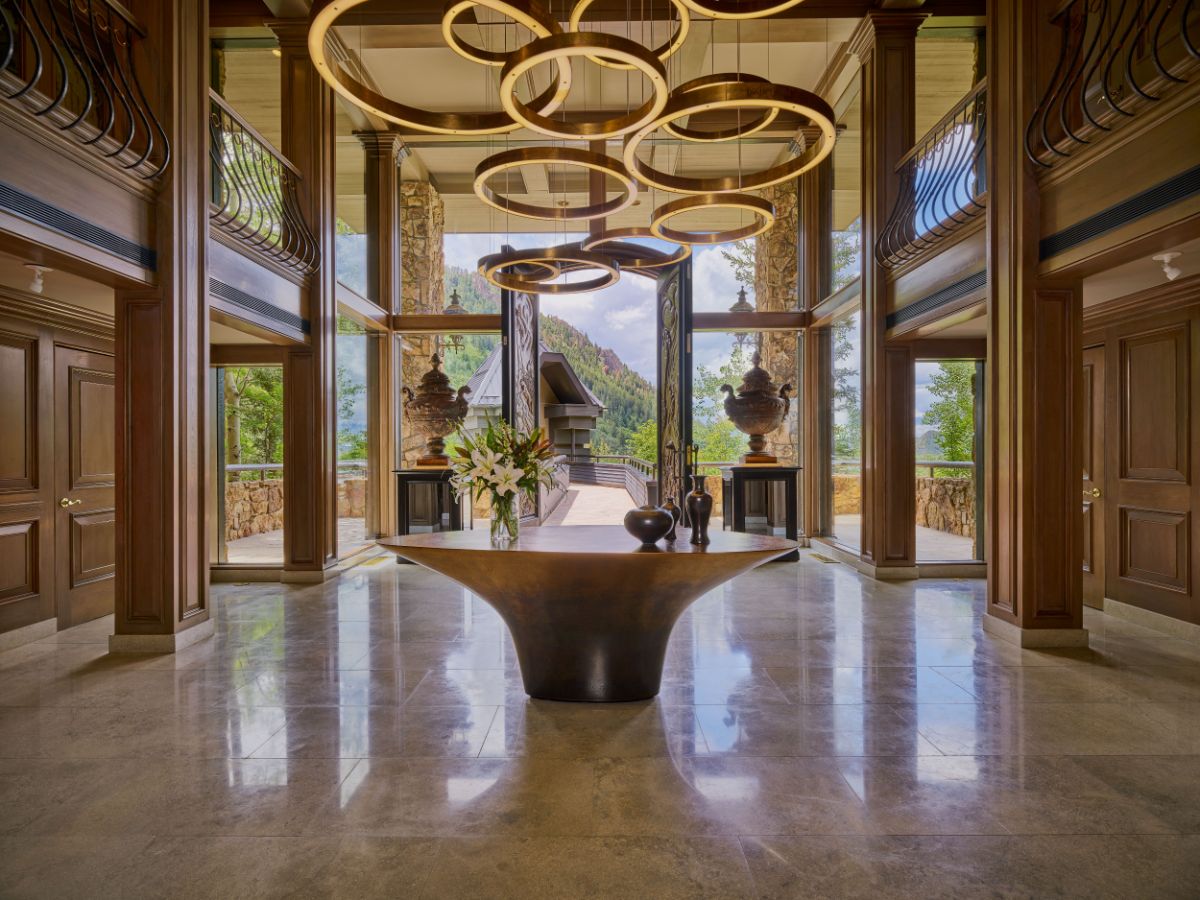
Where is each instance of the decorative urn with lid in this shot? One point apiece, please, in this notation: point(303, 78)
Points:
point(435, 410)
point(757, 409)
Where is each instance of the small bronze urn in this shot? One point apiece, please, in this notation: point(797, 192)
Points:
point(757, 409)
point(435, 410)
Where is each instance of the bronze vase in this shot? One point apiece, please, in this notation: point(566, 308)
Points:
point(649, 524)
point(699, 509)
point(676, 515)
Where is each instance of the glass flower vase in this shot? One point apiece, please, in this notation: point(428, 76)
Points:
point(506, 519)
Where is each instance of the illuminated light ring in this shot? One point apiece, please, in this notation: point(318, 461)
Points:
point(508, 160)
point(560, 48)
point(733, 96)
point(322, 17)
point(529, 13)
point(699, 135)
point(764, 210)
point(613, 243)
point(565, 258)
point(741, 9)
point(663, 51)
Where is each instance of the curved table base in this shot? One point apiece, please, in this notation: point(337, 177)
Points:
point(588, 624)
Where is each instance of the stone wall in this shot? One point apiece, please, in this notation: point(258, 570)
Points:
point(422, 276)
point(847, 494)
point(947, 504)
point(256, 507)
point(253, 507)
point(776, 273)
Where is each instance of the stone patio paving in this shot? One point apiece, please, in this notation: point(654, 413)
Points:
point(267, 548)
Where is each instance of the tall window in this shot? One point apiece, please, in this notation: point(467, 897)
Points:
point(352, 237)
point(355, 395)
point(948, 488)
point(846, 264)
point(846, 424)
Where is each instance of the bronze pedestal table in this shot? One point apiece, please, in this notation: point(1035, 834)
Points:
point(590, 610)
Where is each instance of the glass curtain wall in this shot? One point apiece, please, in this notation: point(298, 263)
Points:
point(845, 421)
point(948, 423)
point(357, 392)
point(248, 463)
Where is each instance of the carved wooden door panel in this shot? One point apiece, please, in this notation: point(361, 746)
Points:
point(1092, 434)
point(26, 479)
point(522, 371)
point(84, 476)
point(1154, 419)
point(674, 301)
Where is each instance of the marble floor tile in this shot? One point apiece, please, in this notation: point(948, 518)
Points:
point(817, 734)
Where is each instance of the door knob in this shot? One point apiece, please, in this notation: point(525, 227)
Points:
point(64, 502)
point(1094, 492)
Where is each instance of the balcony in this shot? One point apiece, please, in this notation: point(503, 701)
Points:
point(256, 193)
point(942, 185)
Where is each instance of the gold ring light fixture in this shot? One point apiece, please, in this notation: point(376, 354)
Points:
point(513, 160)
point(664, 51)
point(323, 17)
point(561, 48)
point(618, 241)
point(763, 211)
point(529, 13)
point(739, 9)
point(736, 95)
point(700, 135)
point(563, 258)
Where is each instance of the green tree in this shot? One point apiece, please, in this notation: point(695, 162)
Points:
point(953, 412)
point(741, 258)
point(847, 435)
point(643, 442)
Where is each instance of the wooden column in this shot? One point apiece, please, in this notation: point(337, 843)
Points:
point(885, 44)
point(385, 150)
point(162, 369)
point(310, 386)
point(1034, 374)
point(815, 279)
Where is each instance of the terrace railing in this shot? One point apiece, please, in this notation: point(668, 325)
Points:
point(638, 476)
point(1115, 59)
point(347, 468)
point(941, 183)
point(256, 191)
point(72, 64)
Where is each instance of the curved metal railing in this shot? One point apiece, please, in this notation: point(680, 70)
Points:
point(71, 64)
point(941, 183)
point(256, 191)
point(1115, 58)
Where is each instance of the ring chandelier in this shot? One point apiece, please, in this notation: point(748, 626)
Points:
point(606, 252)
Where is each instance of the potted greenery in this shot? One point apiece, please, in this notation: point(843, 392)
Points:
point(504, 465)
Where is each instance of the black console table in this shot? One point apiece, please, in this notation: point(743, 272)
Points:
point(425, 502)
point(761, 499)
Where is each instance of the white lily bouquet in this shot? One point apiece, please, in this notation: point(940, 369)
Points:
point(504, 465)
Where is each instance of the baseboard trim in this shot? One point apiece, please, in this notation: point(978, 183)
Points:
point(953, 570)
point(1034, 638)
point(879, 573)
point(27, 634)
point(221, 575)
point(1188, 631)
point(161, 643)
point(307, 576)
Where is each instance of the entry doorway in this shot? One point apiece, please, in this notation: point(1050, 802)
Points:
point(1092, 434)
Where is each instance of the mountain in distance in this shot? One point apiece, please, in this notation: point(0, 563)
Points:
point(628, 398)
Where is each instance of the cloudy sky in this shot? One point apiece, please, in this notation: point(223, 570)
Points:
point(622, 317)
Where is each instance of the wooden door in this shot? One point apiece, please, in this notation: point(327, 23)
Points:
point(522, 373)
point(674, 302)
point(1092, 434)
point(26, 510)
point(1154, 420)
point(84, 485)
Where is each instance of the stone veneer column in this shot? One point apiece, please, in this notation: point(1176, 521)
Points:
point(776, 289)
point(422, 291)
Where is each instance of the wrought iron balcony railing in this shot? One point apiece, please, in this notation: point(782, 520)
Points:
point(941, 183)
point(1115, 59)
point(73, 65)
point(256, 191)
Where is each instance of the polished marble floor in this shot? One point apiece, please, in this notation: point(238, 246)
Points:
point(818, 735)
